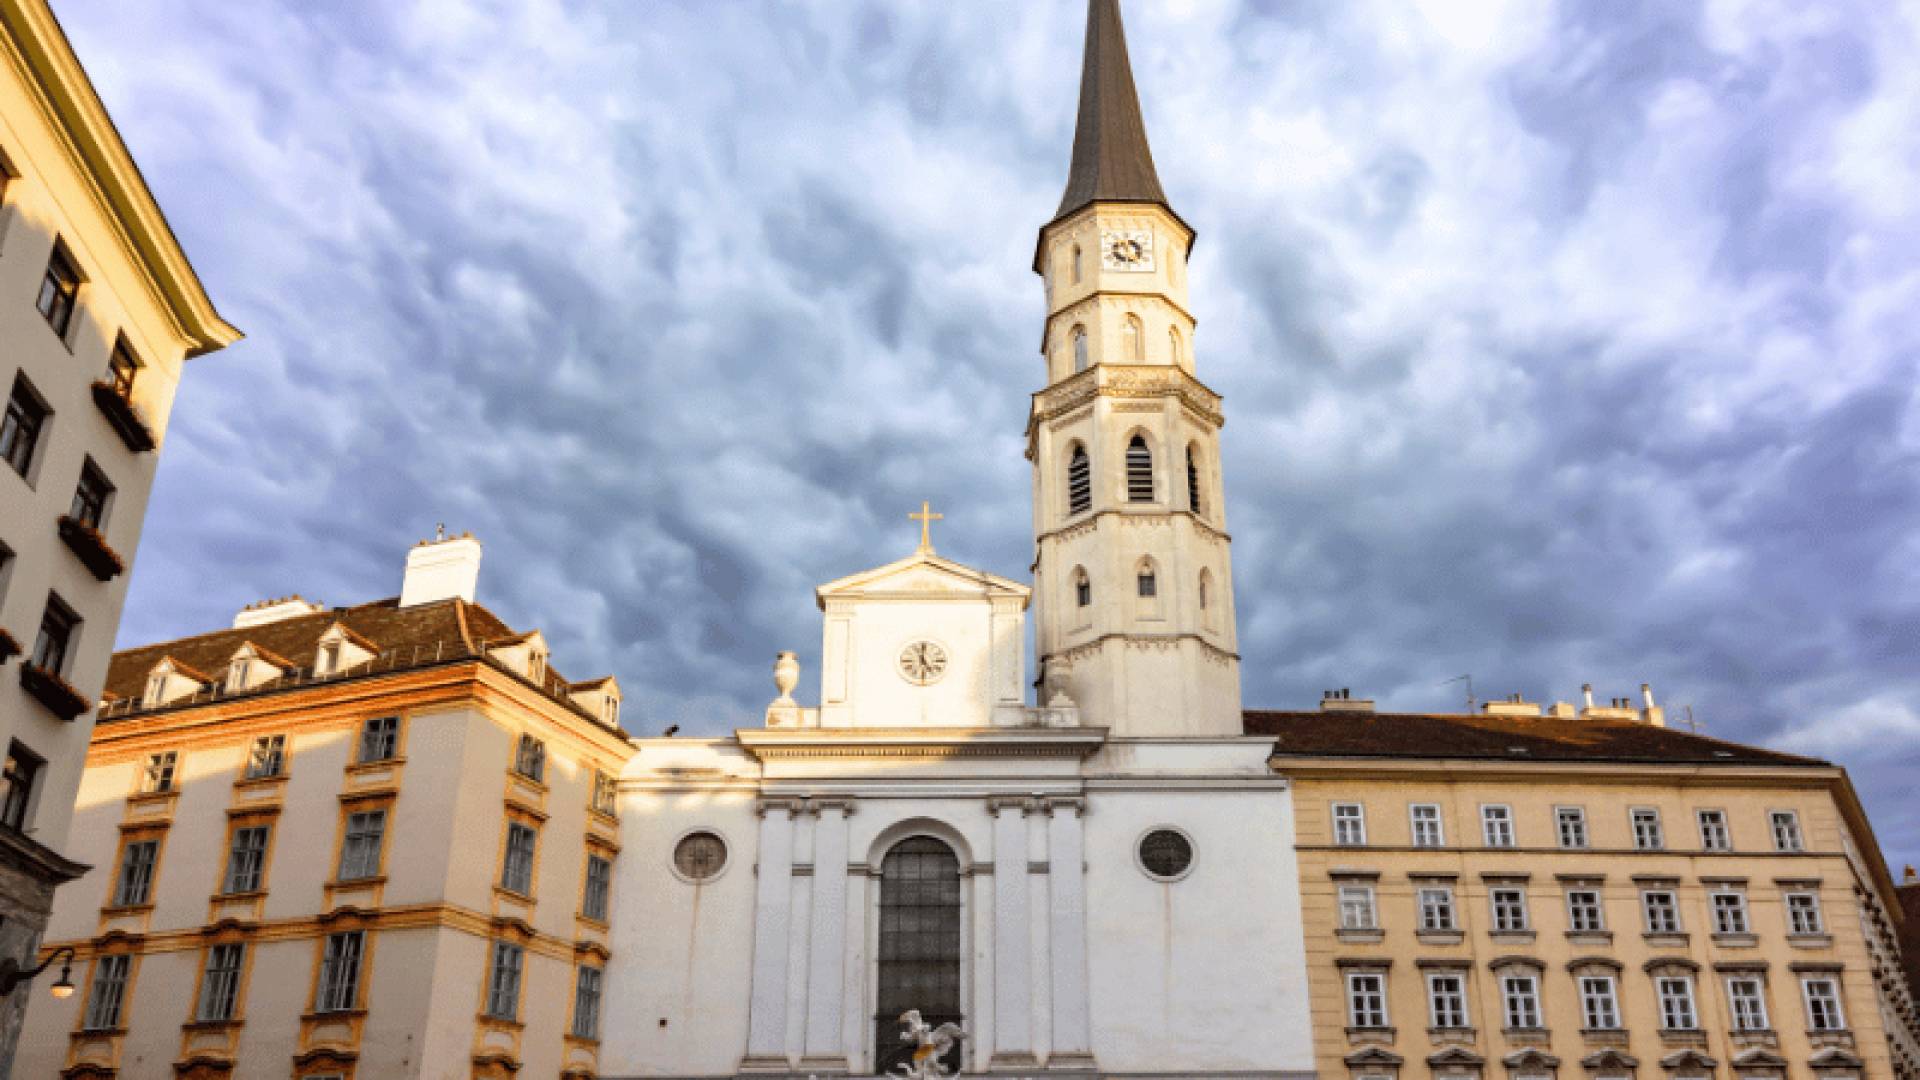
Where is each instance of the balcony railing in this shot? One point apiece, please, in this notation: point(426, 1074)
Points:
point(86, 542)
point(124, 415)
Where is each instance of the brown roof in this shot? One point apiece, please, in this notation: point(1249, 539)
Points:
point(1504, 738)
point(1111, 159)
point(1910, 930)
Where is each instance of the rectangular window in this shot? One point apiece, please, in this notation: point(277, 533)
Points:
point(1803, 913)
point(58, 625)
point(1676, 1003)
point(1509, 909)
point(360, 851)
point(1496, 824)
point(1713, 831)
point(530, 760)
point(1366, 1000)
point(158, 775)
point(516, 870)
point(246, 860)
point(136, 873)
point(1447, 1000)
point(1522, 996)
point(268, 758)
point(90, 496)
point(1786, 831)
point(1599, 1007)
point(593, 901)
point(22, 775)
point(606, 792)
point(1585, 914)
point(1570, 822)
point(586, 1003)
point(1749, 1000)
point(503, 986)
point(379, 739)
point(1823, 1005)
point(59, 291)
point(1426, 825)
point(340, 972)
point(109, 988)
point(1349, 825)
point(1662, 908)
point(1730, 912)
point(220, 986)
point(122, 367)
point(20, 429)
point(1436, 909)
point(1646, 830)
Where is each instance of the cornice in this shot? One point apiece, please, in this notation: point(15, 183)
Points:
point(1161, 641)
point(943, 743)
point(1085, 523)
point(22, 852)
point(1124, 381)
point(1600, 772)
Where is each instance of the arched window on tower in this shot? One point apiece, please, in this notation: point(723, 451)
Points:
point(1076, 264)
point(1132, 341)
point(1193, 481)
point(1209, 603)
point(1079, 482)
point(1139, 471)
point(1146, 589)
point(1082, 597)
point(1079, 348)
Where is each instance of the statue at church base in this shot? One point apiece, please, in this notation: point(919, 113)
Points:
point(930, 1045)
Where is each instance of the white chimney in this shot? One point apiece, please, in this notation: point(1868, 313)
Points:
point(441, 569)
point(273, 611)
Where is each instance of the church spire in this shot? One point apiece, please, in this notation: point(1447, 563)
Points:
point(1111, 159)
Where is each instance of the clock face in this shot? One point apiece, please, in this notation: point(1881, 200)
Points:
point(1127, 250)
point(923, 662)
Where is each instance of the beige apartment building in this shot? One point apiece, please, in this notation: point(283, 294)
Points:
point(99, 310)
point(1586, 896)
point(374, 841)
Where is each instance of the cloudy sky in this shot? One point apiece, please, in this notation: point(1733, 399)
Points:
point(1559, 343)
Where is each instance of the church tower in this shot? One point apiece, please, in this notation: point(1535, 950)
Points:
point(1133, 583)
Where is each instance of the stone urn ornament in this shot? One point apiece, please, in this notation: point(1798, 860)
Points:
point(786, 676)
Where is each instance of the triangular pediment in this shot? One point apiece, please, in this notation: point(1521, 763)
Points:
point(922, 575)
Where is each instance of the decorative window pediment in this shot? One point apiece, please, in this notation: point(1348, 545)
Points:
point(340, 649)
point(252, 666)
point(1688, 1061)
point(1609, 1061)
point(170, 680)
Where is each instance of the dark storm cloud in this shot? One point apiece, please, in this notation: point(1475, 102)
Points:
point(1559, 344)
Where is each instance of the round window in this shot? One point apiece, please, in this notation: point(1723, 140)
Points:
point(700, 855)
point(1166, 854)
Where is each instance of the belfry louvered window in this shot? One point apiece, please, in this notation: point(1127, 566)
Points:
point(1193, 482)
point(1079, 482)
point(1139, 471)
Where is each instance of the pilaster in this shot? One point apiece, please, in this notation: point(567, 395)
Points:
point(825, 1051)
point(767, 1008)
point(1066, 858)
point(1012, 963)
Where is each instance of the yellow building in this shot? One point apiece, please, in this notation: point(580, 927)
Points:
point(1585, 896)
point(285, 809)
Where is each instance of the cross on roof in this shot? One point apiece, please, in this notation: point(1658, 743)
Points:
point(926, 517)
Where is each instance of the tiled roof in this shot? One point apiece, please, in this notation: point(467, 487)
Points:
point(1504, 738)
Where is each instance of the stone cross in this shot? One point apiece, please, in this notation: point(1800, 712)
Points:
point(926, 517)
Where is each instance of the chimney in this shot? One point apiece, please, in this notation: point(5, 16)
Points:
point(441, 569)
point(1586, 690)
point(1342, 700)
point(1913, 876)
point(273, 611)
point(1654, 715)
point(1514, 705)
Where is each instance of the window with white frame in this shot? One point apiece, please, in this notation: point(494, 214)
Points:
point(1521, 995)
point(1496, 826)
point(268, 757)
point(1676, 1002)
point(530, 759)
point(158, 775)
point(1786, 830)
point(1366, 999)
point(1356, 908)
point(1599, 1003)
point(1570, 825)
point(1349, 825)
point(1509, 903)
point(1747, 995)
point(586, 1002)
point(1803, 913)
point(1823, 1004)
point(220, 985)
point(1730, 912)
point(1436, 908)
point(1713, 831)
point(1585, 914)
point(1662, 908)
point(593, 898)
point(1447, 999)
point(135, 885)
point(379, 739)
point(503, 984)
point(1426, 825)
point(108, 992)
point(1647, 835)
point(606, 792)
point(339, 989)
point(516, 868)
point(360, 850)
point(246, 860)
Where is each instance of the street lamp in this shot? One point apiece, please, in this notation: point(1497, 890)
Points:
point(12, 974)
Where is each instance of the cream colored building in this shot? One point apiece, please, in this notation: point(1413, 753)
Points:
point(1585, 896)
point(98, 312)
point(374, 841)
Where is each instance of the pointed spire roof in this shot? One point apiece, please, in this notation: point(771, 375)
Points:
point(1111, 159)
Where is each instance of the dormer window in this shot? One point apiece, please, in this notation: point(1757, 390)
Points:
point(156, 688)
point(537, 667)
point(328, 661)
point(610, 712)
point(237, 673)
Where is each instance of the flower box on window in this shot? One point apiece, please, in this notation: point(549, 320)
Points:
point(54, 692)
point(91, 547)
point(9, 647)
point(124, 415)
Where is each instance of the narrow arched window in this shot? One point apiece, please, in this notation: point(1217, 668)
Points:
point(1139, 471)
point(1076, 264)
point(1209, 607)
point(920, 946)
point(1203, 590)
point(1079, 348)
point(1193, 481)
point(1082, 589)
point(1131, 340)
point(1173, 345)
point(1079, 482)
point(1146, 583)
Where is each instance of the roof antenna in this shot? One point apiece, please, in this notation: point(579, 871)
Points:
point(1468, 679)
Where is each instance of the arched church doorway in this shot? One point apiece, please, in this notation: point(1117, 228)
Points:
point(919, 955)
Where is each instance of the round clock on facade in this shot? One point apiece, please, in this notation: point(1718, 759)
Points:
point(1127, 250)
point(923, 662)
